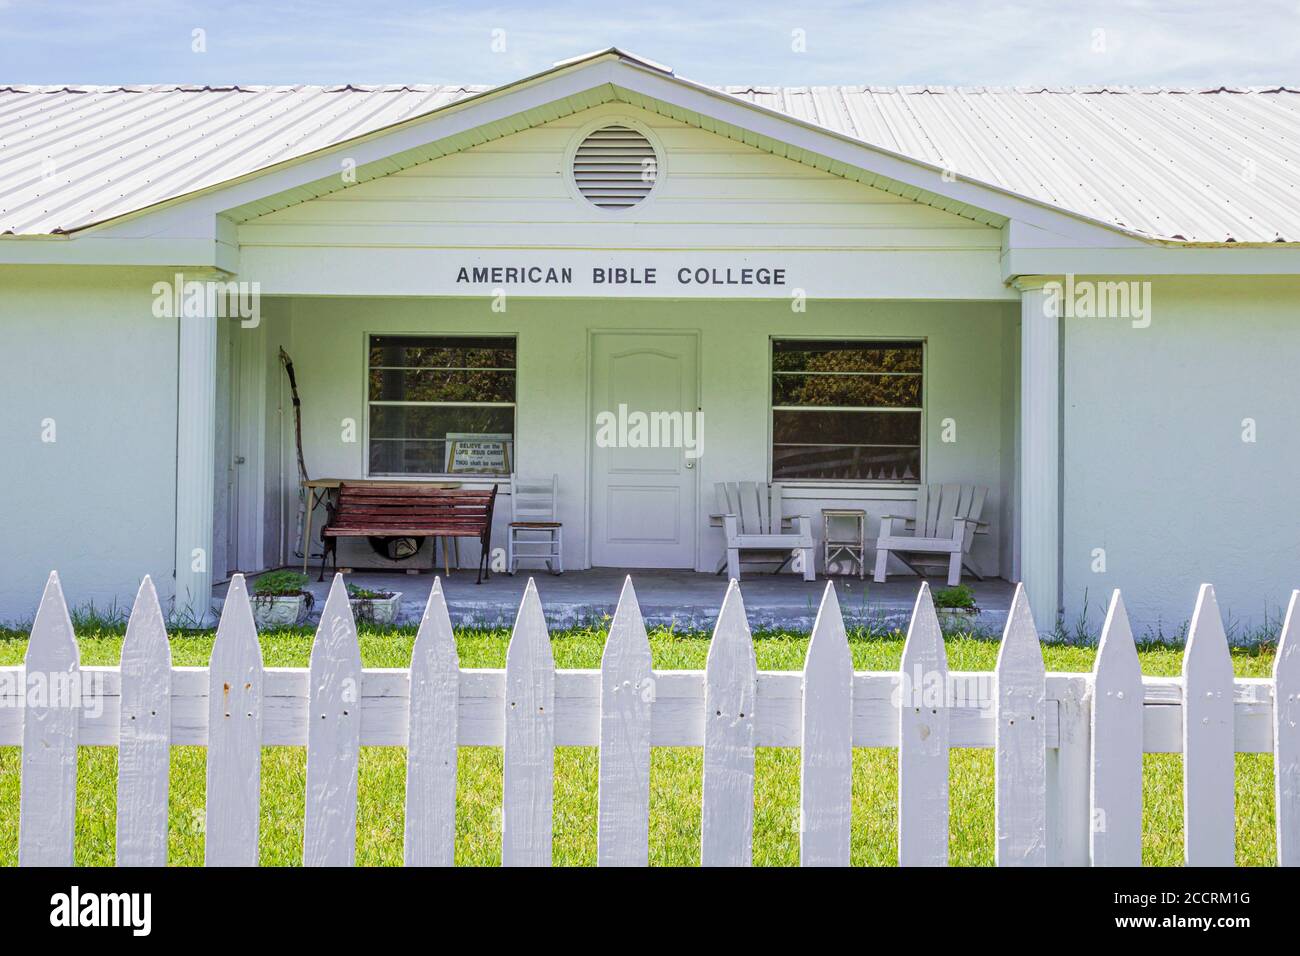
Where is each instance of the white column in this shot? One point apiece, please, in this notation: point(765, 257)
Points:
point(1040, 453)
point(196, 430)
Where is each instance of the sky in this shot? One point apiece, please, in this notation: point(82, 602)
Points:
point(1015, 42)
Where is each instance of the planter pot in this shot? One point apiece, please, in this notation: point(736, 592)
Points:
point(957, 618)
point(278, 611)
point(376, 610)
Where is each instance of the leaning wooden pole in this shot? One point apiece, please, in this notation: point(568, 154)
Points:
point(303, 491)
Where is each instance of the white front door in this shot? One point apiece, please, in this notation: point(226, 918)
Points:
point(239, 495)
point(643, 494)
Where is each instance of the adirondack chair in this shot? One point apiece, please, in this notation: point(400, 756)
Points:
point(947, 519)
point(751, 516)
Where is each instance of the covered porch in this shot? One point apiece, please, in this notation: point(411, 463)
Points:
point(683, 600)
point(960, 413)
point(824, 326)
point(967, 407)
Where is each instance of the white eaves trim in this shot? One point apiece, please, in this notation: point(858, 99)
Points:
point(1154, 259)
point(626, 55)
point(1030, 251)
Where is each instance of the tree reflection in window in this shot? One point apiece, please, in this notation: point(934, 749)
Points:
point(846, 410)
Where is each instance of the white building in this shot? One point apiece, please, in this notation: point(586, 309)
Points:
point(1085, 300)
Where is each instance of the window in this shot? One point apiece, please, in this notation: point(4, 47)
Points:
point(846, 410)
point(441, 405)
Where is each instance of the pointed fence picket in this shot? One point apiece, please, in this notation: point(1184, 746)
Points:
point(626, 695)
point(52, 678)
point(730, 690)
point(1116, 789)
point(234, 735)
point(923, 728)
point(1208, 747)
point(529, 739)
point(1020, 760)
point(826, 747)
point(1286, 736)
point(431, 750)
point(144, 735)
point(333, 735)
point(1068, 747)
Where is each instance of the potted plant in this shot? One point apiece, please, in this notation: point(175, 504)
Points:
point(955, 607)
point(280, 598)
point(374, 606)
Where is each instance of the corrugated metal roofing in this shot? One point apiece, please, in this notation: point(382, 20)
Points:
point(1214, 165)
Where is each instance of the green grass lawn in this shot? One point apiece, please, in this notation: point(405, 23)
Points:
point(675, 772)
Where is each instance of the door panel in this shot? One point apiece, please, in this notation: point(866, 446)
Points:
point(239, 492)
point(224, 525)
point(643, 511)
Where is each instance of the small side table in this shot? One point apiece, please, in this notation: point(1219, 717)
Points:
point(844, 536)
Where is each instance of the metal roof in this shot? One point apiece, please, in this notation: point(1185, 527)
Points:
point(1191, 165)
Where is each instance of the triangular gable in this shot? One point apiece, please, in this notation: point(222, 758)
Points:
point(710, 192)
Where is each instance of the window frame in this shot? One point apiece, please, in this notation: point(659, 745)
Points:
point(849, 483)
point(440, 475)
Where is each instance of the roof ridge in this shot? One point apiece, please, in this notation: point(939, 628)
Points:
point(243, 88)
point(931, 89)
point(900, 89)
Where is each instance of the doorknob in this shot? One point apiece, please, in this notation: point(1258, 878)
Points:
point(690, 464)
point(239, 459)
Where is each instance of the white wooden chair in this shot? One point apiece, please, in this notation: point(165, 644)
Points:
point(534, 533)
point(947, 520)
point(752, 517)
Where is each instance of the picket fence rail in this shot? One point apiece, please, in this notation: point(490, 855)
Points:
point(1068, 746)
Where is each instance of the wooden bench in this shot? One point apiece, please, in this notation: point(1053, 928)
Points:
point(414, 511)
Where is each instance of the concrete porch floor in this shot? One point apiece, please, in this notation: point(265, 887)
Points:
point(687, 600)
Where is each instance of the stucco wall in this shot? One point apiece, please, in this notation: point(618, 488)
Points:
point(966, 365)
point(82, 347)
point(1156, 470)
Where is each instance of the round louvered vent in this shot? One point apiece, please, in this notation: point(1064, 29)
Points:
point(615, 167)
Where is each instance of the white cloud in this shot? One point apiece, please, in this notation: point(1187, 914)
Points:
point(974, 42)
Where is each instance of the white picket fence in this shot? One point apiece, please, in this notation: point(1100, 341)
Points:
point(1068, 746)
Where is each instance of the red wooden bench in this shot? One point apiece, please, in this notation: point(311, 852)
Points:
point(401, 511)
